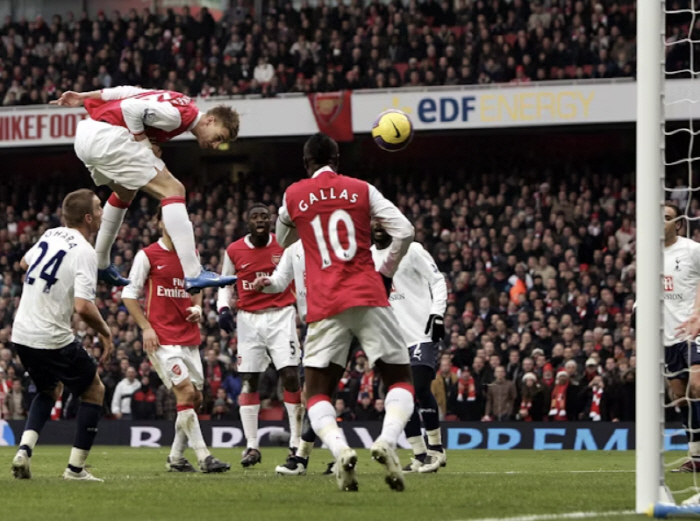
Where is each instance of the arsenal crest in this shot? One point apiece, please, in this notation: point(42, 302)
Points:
point(276, 258)
point(328, 106)
point(176, 370)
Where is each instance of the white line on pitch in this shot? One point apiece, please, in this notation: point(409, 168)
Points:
point(515, 472)
point(550, 517)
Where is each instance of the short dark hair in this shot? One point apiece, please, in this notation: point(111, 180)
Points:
point(258, 205)
point(76, 205)
point(321, 149)
point(673, 206)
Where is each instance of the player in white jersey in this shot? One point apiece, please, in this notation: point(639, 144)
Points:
point(681, 288)
point(61, 276)
point(114, 143)
point(419, 299)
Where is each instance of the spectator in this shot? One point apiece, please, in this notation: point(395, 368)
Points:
point(342, 412)
point(121, 400)
point(17, 406)
point(532, 403)
point(5, 389)
point(445, 387)
point(500, 397)
point(166, 404)
point(143, 402)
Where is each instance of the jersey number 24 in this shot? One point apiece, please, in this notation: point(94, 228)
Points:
point(49, 270)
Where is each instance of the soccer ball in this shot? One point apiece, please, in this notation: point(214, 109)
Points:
point(392, 130)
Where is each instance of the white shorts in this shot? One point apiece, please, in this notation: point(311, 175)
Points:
point(267, 335)
point(111, 153)
point(328, 340)
point(175, 364)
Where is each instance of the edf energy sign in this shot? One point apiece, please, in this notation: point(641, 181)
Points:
point(507, 108)
point(501, 106)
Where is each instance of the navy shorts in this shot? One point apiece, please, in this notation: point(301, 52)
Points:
point(71, 364)
point(425, 354)
point(679, 357)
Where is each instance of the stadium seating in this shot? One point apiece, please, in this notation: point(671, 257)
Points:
point(40, 59)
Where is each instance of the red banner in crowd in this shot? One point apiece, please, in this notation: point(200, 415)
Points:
point(333, 113)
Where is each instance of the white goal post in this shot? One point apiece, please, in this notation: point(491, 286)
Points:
point(649, 207)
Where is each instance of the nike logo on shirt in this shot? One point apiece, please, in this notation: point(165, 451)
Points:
point(160, 267)
point(245, 266)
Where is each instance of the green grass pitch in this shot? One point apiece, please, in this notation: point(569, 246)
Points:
point(474, 485)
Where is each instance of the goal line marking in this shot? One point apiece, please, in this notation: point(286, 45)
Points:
point(551, 517)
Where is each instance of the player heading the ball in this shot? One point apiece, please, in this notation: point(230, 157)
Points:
point(115, 145)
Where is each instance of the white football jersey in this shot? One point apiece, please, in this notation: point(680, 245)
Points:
point(681, 279)
point(62, 266)
point(418, 291)
point(291, 267)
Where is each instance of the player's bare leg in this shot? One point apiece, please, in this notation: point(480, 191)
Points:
point(187, 428)
point(171, 194)
point(112, 218)
point(249, 401)
point(39, 413)
point(89, 414)
point(399, 405)
point(320, 383)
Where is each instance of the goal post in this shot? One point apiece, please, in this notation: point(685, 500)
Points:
point(650, 178)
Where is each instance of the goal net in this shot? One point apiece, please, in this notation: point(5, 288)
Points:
point(668, 37)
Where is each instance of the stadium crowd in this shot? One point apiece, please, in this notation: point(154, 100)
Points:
point(540, 290)
point(321, 48)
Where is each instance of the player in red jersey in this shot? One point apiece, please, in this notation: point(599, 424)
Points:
point(115, 145)
point(171, 338)
point(266, 329)
point(346, 297)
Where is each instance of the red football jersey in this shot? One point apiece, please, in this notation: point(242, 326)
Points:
point(111, 112)
point(332, 216)
point(166, 299)
point(251, 262)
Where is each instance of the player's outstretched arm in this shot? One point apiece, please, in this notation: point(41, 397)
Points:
point(223, 301)
point(285, 230)
point(75, 99)
point(281, 278)
point(396, 225)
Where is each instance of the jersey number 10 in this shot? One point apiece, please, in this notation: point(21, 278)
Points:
point(48, 272)
point(339, 251)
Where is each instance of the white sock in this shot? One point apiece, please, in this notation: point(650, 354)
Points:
point(249, 410)
point(322, 416)
point(29, 438)
point(179, 227)
point(188, 423)
point(694, 448)
point(398, 404)
point(112, 218)
point(177, 449)
point(434, 437)
point(304, 450)
point(418, 445)
point(77, 457)
point(295, 412)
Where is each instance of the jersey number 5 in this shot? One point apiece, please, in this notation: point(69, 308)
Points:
point(49, 270)
point(339, 251)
